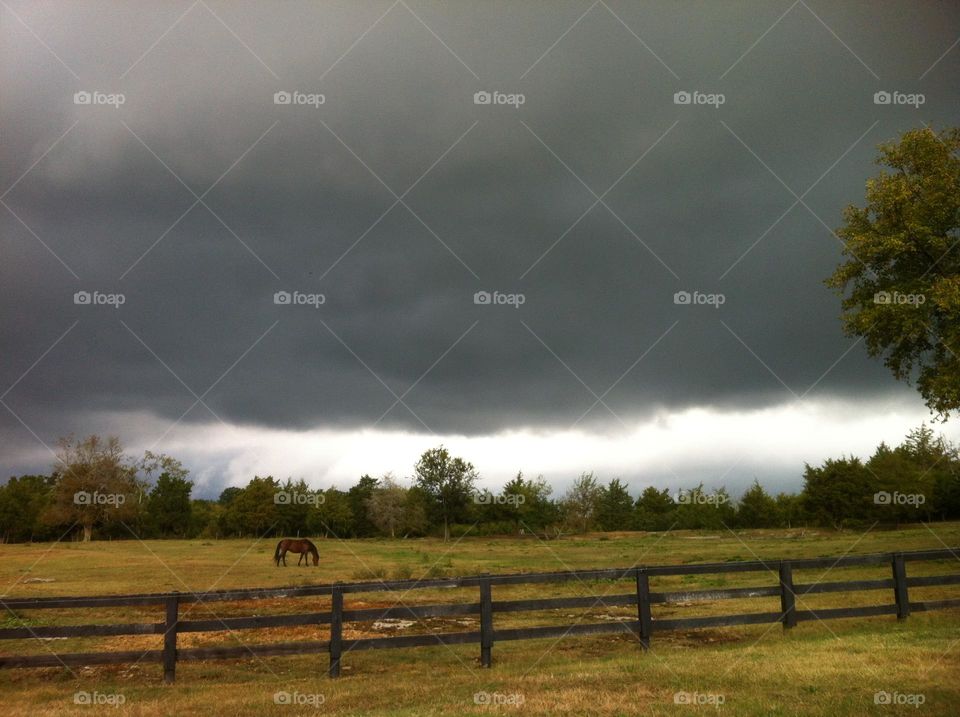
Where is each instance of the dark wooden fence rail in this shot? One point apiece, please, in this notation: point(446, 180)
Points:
point(643, 627)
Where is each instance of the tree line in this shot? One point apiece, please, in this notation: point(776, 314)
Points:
point(96, 489)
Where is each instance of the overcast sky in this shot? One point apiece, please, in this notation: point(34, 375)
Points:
point(386, 194)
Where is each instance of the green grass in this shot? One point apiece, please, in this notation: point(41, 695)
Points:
point(832, 668)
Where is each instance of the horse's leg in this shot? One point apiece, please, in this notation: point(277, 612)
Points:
point(283, 557)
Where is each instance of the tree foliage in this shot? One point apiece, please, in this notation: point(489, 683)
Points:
point(917, 480)
point(900, 281)
point(448, 481)
point(96, 484)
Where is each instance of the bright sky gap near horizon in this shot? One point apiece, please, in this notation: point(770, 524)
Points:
point(342, 150)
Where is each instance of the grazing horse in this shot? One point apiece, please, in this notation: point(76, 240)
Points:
point(298, 545)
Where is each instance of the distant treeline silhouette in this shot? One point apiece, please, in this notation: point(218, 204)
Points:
point(97, 490)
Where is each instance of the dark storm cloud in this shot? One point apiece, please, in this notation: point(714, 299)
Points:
point(486, 191)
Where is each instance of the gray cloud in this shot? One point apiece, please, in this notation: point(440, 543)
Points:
point(302, 212)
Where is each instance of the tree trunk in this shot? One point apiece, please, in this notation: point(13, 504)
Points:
point(446, 529)
point(87, 532)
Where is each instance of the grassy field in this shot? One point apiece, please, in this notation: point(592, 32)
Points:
point(832, 668)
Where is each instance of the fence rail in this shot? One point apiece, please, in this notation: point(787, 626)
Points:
point(643, 627)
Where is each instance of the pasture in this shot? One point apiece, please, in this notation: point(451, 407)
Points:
point(817, 668)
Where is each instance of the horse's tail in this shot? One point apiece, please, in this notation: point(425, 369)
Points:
point(276, 553)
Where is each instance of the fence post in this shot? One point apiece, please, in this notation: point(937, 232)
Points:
point(170, 639)
point(643, 608)
point(336, 630)
point(900, 586)
point(788, 599)
point(486, 622)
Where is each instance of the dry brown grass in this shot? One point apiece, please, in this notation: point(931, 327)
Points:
point(821, 669)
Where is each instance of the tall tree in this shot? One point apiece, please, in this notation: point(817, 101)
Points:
point(169, 507)
point(790, 509)
point(757, 509)
point(615, 507)
point(23, 501)
point(97, 484)
point(254, 511)
point(449, 483)
point(333, 518)
point(526, 503)
point(655, 509)
point(386, 505)
point(902, 265)
point(416, 508)
point(168, 504)
point(839, 491)
point(295, 502)
point(358, 495)
point(580, 502)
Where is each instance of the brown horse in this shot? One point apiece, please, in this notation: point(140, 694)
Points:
point(298, 545)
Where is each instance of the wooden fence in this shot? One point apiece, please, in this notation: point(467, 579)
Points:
point(644, 627)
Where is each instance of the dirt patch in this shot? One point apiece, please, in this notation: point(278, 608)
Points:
point(692, 638)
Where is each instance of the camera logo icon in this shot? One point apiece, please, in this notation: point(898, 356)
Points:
point(882, 297)
point(482, 298)
point(281, 498)
point(882, 498)
point(682, 98)
point(682, 297)
point(281, 297)
point(81, 298)
point(882, 97)
point(282, 98)
point(82, 497)
point(482, 97)
point(82, 98)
